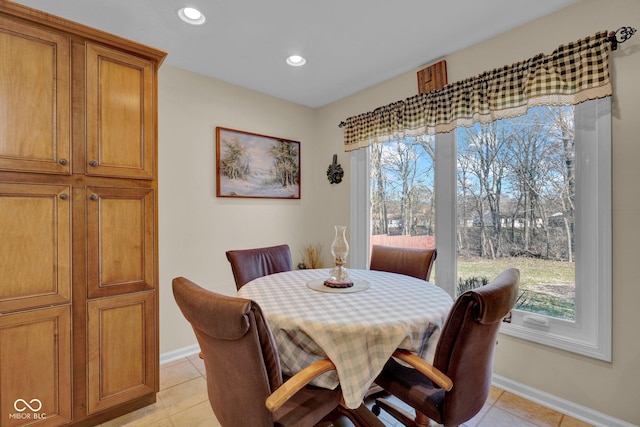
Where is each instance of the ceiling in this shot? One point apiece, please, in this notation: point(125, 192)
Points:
point(349, 45)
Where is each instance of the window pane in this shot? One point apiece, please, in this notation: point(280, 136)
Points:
point(401, 186)
point(516, 199)
point(579, 241)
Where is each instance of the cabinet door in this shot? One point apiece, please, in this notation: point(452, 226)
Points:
point(120, 241)
point(35, 249)
point(35, 109)
point(121, 124)
point(35, 367)
point(121, 349)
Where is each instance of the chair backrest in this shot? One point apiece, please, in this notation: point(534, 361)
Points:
point(249, 264)
point(239, 353)
point(416, 262)
point(467, 342)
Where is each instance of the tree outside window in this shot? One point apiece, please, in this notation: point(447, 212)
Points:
point(516, 200)
point(515, 203)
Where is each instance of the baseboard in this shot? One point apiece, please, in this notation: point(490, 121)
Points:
point(180, 353)
point(564, 406)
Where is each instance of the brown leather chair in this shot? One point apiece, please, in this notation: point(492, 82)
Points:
point(416, 262)
point(244, 381)
point(456, 386)
point(249, 264)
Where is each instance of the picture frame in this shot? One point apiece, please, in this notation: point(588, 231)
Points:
point(251, 165)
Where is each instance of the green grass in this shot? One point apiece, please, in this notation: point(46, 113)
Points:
point(532, 271)
point(534, 274)
point(549, 305)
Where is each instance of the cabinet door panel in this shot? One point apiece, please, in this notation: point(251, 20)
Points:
point(121, 349)
point(120, 249)
point(35, 253)
point(35, 86)
point(35, 367)
point(120, 114)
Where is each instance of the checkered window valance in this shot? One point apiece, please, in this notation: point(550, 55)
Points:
point(573, 73)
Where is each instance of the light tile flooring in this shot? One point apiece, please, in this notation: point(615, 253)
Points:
point(182, 401)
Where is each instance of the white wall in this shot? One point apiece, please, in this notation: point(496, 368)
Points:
point(196, 227)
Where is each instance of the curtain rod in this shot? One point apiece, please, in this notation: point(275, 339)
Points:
point(621, 35)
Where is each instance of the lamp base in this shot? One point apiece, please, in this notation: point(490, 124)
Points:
point(338, 284)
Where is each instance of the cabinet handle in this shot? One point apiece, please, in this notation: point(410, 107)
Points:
point(62, 161)
point(93, 163)
point(93, 197)
point(64, 196)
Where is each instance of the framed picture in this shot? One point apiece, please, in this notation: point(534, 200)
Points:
point(256, 166)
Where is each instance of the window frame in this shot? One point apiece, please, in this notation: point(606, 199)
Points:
point(590, 333)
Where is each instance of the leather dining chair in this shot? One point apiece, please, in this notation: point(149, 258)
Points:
point(245, 384)
point(415, 262)
point(456, 386)
point(249, 264)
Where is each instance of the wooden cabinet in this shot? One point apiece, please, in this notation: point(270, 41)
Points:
point(35, 130)
point(120, 240)
point(35, 225)
point(121, 362)
point(35, 367)
point(78, 220)
point(120, 136)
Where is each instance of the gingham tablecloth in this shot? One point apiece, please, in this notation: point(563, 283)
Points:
point(357, 331)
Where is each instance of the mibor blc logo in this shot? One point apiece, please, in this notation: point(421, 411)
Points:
point(27, 410)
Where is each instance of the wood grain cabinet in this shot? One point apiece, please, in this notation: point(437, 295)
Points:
point(78, 222)
point(120, 136)
point(121, 363)
point(35, 250)
point(120, 240)
point(35, 127)
point(35, 367)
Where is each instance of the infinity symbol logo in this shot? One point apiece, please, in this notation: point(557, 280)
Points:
point(26, 405)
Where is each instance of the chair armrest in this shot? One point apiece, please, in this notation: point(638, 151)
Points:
point(297, 382)
point(424, 368)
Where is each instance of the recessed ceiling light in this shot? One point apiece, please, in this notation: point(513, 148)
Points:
point(191, 16)
point(296, 61)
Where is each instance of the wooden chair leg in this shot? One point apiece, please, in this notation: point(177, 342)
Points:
point(422, 420)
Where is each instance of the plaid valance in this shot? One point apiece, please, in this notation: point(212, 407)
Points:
point(573, 73)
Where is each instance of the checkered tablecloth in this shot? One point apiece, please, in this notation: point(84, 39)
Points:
point(357, 331)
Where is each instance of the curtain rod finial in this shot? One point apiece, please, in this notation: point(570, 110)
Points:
point(620, 36)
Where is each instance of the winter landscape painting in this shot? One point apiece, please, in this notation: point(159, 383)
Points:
point(258, 166)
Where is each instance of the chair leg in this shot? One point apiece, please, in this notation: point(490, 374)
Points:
point(422, 420)
point(401, 415)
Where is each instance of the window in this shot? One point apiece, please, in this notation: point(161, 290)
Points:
point(531, 192)
point(516, 207)
point(401, 191)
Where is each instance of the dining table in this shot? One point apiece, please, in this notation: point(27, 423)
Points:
point(358, 328)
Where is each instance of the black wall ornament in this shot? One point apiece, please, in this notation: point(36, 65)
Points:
point(335, 172)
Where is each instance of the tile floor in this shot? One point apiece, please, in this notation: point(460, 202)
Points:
point(182, 401)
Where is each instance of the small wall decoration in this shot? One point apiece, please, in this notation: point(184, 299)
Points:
point(256, 166)
point(433, 77)
point(335, 172)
